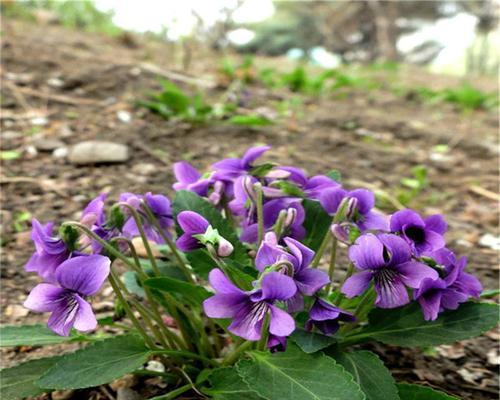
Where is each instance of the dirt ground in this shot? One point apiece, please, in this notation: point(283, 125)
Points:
point(70, 86)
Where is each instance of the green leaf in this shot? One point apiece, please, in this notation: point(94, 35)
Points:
point(19, 382)
point(250, 120)
point(228, 385)
point(316, 223)
point(261, 170)
point(294, 375)
point(30, 335)
point(371, 374)
point(335, 175)
point(311, 342)
point(405, 326)
point(9, 155)
point(97, 364)
point(131, 281)
point(193, 294)
point(409, 391)
point(199, 260)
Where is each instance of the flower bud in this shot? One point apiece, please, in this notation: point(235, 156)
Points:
point(352, 208)
point(339, 232)
point(291, 215)
point(278, 174)
point(224, 248)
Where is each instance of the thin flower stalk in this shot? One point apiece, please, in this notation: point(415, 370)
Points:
point(182, 264)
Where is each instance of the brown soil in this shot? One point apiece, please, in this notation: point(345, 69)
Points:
point(325, 134)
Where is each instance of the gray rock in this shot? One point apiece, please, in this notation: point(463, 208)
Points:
point(47, 144)
point(94, 152)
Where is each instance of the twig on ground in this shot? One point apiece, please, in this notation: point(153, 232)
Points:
point(484, 192)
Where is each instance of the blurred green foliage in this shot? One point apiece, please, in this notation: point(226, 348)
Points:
point(77, 14)
point(173, 102)
point(465, 96)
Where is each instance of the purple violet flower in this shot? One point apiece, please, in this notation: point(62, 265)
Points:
point(423, 235)
point(298, 257)
point(313, 186)
point(385, 259)
point(188, 178)
point(192, 224)
point(249, 309)
point(50, 251)
point(77, 278)
point(161, 209)
point(276, 343)
point(230, 168)
point(446, 293)
point(326, 317)
point(93, 214)
point(362, 201)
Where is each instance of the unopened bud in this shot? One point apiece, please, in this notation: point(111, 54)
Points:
point(278, 174)
point(352, 208)
point(224, 248)
point(216, 195)
point(272, 193)
point(339, 232)
point(291, 215)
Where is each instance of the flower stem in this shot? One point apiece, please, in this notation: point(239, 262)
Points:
point(113, 282)
point(171, 337)
point(169, 241)
point(142, 233)
point(175, 393)
point(260, 213)
point(264, 333)
point(339, 215)
point(321, 250)
point(331, 269)
point(233, 356)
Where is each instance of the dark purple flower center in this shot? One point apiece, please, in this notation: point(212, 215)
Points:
point(385, 278)
point(416, 234)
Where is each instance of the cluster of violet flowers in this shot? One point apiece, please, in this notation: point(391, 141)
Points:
point(395, 258)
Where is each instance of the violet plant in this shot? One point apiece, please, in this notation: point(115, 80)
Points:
point(249, 297)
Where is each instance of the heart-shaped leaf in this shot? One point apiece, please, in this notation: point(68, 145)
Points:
point(417, 392)
point(19, 382)
point(226, 384)
point(31, 335)
point(295, 375)
point(311, 342)
point(406, 326)
point(97, 364)
point(371, 374)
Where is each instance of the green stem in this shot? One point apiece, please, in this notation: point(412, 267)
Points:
point(110, 249)
point(171, 337)
point(170, 243)
point(278, 226)
point(331, 268)
point(142, 234)
point(260, 213)
point(339, 215)
point(113, 282)
point(321, 250)
point(233, 356)
point(264, 334)
point(175, 393)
